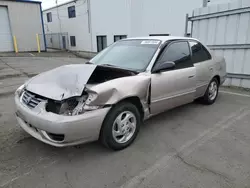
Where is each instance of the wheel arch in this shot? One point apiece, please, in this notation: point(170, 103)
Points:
point(135, 100)
point(217, 77)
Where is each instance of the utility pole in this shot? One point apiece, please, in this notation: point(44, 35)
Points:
point(90, 23)
point(186, 26)
point(60, 25)
point(205, 3)
point(59, 19)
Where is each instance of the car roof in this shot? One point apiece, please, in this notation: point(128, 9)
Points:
point(161, 38)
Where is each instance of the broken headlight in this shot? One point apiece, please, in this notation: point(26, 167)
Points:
point(91, 97)
point(73, 106)
point(90, 108)
point(66, 107)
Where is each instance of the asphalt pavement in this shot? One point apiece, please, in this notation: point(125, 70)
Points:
point(191, 146)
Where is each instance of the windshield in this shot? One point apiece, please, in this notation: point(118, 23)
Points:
point(128, 54)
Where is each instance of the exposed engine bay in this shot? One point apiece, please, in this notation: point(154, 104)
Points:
point(104, 74)
point(76, 105)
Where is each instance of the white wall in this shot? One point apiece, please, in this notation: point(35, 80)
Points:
point(25, 23)
point(139, 17)
point(161, 16)
point(109, 17)
point(77, 26)
point(219, 1)
point(121, 17)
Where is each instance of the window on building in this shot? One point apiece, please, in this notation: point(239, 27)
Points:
point(199, 52)
point(72, 12)
point(119, 37)
point(151, 35)
point(49, 17)
point(101, 42)
point(72, 40)
point(179, 53)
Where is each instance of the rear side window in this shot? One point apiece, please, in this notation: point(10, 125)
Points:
point(199, 52)
point(179, 53)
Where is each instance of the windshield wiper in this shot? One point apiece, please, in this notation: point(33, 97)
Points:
point(108, 65)
point(88, 62)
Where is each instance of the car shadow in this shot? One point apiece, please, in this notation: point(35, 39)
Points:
point(96, 147)
point(28, 152)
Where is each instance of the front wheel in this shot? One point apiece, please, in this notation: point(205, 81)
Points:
point(211, 92)
point(121, 126)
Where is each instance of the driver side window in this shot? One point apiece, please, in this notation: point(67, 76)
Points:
point(179, 53)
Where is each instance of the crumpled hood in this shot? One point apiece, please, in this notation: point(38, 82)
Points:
point(62, 82)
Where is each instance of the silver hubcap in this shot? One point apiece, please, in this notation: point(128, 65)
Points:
point(124, 127)
point(212, 90)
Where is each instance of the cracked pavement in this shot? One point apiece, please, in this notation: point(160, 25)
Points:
point(190, 146)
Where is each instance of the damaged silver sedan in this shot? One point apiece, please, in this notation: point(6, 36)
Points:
point(109, 97)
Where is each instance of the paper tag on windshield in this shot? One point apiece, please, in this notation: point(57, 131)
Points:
point(155, 42)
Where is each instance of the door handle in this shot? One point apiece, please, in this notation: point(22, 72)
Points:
point(211, 68)
point(191, 76)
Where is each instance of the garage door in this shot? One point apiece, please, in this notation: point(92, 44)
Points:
point(6, 42)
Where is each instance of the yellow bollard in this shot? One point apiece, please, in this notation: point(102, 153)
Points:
point(38, 43)
point(15, 44)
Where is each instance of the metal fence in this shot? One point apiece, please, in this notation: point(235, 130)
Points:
point(58, 41)
point(225, 28)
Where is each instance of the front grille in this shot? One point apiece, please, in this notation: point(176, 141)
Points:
point(31, 99)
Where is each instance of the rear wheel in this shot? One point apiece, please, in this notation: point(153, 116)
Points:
point(211, 92)
point(120, 126)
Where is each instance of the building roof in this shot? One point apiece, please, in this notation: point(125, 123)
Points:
point(161, 38)
point(26, 1)
point(70, 1)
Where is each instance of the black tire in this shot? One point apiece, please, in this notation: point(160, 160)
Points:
point(206, 99)
point(106, 136)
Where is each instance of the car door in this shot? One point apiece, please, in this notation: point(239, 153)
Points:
point(174, 87)
point(202, 61)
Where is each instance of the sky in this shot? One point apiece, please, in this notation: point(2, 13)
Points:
point(50, 3)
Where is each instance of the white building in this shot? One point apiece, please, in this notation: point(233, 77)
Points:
point(91, 25)
point(22, 19)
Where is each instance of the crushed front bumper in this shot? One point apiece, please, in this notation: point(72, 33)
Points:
point(58, 130)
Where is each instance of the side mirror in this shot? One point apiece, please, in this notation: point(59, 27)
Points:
point(164, 66)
